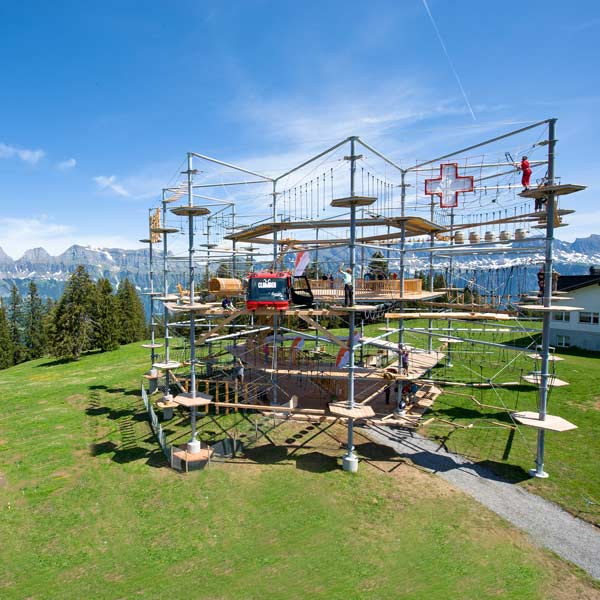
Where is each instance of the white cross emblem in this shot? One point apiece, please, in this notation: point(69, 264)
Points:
point(448, 185)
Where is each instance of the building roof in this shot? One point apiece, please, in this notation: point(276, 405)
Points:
point(567, 283)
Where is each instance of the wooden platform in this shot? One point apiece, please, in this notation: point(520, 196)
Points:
point(341, 409)
point(413, 226)
point(557, 190)
point(170, 404)
point(551, 422)
point(353, 201)
point(190, 211)
point(552, 381)
point(444, 316)
point(186, 399)
point(553, 298)
point(167, 366)
point(182, 454)
point(551, 358)
point(554, 308)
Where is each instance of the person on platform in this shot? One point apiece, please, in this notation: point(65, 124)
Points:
point(239, 371)
point(405, 361)
point(226, 303)
point(525, 173)
point(348, 286)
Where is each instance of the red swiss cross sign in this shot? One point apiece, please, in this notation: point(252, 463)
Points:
point(448, 185)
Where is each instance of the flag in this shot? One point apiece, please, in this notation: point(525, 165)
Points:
point(298, 343)
point(302, 260)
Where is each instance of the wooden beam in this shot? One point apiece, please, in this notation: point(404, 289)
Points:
point(324, 331)
point(201, 339)
point(267, 408)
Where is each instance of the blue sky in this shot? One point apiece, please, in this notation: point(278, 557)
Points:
point(101, 100)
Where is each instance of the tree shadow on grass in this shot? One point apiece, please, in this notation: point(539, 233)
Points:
point(55, 363)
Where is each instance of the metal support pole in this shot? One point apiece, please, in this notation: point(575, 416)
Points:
point(274, 378)
point(547, 300)
point(432, 242)
point(151, 274)
point(402, 255)
point(167, 395)
point(233, 245)
point(350, 461)
point(449, 285)
point(193, 445)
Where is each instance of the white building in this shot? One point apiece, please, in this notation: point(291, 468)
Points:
point(579, 328)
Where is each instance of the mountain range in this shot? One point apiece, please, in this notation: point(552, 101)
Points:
point(51, 272)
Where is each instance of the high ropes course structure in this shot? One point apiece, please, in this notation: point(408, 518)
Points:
point(285, 272)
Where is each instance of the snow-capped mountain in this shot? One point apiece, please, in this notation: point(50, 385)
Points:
point(51, 272)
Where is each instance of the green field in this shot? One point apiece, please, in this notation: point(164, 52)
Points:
point(88, 509)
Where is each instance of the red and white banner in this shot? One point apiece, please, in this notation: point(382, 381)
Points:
point(343, 355)
point(298, 343)
point(302, 260)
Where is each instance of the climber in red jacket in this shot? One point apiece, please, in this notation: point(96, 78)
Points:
point(526, 170)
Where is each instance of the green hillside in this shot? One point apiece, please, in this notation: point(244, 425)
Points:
point(88, 509)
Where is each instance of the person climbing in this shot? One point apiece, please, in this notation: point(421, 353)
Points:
point(526, 173)
point(348, 286)
point(239, 372)
point(541, 278)
point(405, 361)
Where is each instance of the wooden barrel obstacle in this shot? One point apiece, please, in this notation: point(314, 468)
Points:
point(221, 287)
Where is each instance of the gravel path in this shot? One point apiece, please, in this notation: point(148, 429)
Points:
point(547, 524)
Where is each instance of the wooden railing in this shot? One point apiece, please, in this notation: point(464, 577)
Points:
point(367, 286)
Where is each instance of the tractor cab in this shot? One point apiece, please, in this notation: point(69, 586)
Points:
point(271, 290)
point(277, 290)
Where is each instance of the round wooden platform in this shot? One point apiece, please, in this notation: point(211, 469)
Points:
point(167, 366)
point(190, 211)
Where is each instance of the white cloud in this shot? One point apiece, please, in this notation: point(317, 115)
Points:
point(30, 156)
point(110, 183)
point(65, 165)
point(19, 235)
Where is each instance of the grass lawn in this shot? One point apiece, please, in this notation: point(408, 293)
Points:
point(88, 509)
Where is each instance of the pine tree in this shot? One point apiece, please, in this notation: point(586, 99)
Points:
point(224, 270)
point(34, 334)
point(6, 349)
point(378, 265)
point(132, 321)
point(15, 325)
point(106, 323)
point(72, 329)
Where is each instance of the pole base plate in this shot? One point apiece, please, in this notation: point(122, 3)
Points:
point(535, 473)
point(350, 463)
